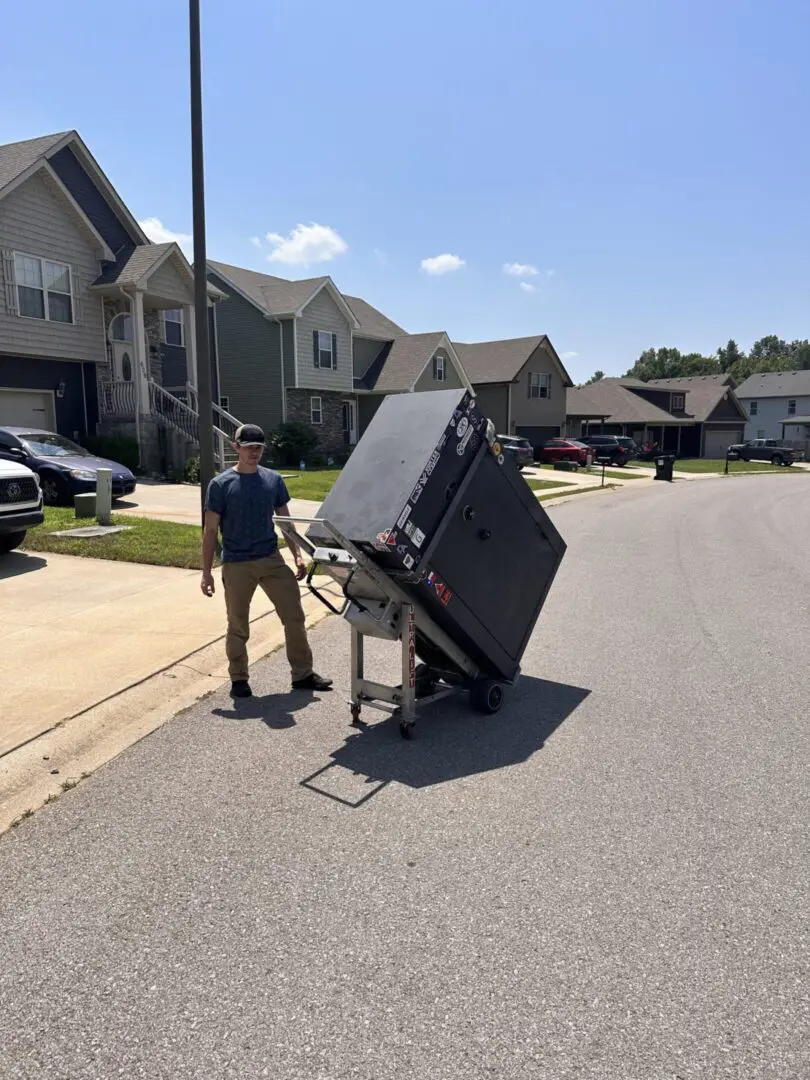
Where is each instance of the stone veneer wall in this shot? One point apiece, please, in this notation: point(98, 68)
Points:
point(330, 432)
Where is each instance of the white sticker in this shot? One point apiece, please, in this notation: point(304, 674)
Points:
point(462, 426)
point(418, 538)
point(403, 517)
point(407, 562)
point(462, 446)
point(431, 465)
point(417, 491)
point(410, 529)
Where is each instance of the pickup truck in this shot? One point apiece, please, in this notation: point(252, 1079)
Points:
point(20, 504)
point(778, 453)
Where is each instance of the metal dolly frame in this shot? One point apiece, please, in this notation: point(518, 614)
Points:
point(486, 694)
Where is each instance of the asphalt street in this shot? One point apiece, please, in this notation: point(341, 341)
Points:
point(607, 880)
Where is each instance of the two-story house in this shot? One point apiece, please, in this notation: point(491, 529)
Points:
point(521, 384)
point(96, 322)
point(778, 406)
point(304, 351)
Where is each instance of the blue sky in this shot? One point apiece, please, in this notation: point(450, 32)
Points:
point(649, 158)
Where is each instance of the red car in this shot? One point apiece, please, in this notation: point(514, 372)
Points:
point(565, 450)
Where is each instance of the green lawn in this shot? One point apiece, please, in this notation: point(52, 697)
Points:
point(718, 465)
point(596, 470)
point(314, 484)
point(156, 543)
point(540, 485)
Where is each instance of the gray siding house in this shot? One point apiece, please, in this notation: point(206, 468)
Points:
point(304, 351)
point(778, 406)
point(521, 384)
point(96, 322)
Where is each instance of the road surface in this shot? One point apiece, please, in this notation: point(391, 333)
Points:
point(608, 880)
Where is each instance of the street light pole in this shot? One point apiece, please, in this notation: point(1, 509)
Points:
point(206, 417)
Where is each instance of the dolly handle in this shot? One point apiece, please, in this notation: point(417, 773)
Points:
point(320, 596)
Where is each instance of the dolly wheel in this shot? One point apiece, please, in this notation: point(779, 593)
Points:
point(406, 730)
point(486, 696)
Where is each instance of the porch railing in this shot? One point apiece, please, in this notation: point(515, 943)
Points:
point(118, 398)
point(223, 420)
point(174, 412)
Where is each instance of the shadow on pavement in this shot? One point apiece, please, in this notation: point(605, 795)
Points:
point(17, 562)
point(451, 742)
point(274, 710)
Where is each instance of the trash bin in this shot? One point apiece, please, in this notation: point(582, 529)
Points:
point(663, 467)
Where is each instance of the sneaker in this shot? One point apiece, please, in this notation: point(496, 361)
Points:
point(241, 689)
point(312, 682)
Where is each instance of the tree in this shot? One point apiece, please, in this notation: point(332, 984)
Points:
point(730, 355)
point(597, 375)
point(671, 363)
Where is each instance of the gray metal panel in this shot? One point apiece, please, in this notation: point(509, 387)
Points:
point(35, 219)
point(249, 360)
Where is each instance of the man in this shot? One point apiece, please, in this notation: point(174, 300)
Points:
point(240, 503)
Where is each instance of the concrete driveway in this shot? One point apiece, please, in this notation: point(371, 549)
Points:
point(608, 881)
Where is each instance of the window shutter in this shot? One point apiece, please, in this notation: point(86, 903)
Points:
point(436, 368)
point(315, 356)
point(9, 282)
point(548, 388)
point(334, 352)
point(75, 297)
point(529, 386)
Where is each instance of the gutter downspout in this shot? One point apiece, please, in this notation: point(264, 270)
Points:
point(281, 353)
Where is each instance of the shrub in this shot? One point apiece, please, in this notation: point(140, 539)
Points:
point(120, 448)
point(293, 441)
point(191, 473)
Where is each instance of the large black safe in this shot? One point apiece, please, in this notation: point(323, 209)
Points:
point(441, 509)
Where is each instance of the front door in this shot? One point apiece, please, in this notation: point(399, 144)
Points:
point(123, 361)
point(349, 423)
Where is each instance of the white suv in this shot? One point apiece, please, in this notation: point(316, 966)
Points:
point(20, 503)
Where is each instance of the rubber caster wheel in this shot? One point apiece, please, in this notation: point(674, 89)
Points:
point(355, 720)
point(406, 730)
point(486, 696)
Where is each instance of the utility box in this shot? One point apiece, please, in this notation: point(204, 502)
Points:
point(431, 499)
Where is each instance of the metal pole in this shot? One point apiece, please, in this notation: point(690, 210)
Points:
point(205, 411)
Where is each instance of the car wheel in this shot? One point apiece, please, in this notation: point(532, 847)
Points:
point(776, 459)
point(10, 541)
point(54, 489)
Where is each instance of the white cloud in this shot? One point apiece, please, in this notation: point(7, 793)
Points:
point(441, 264)
point(256, 241)
point(520, 269)
point(159, 234)
point(528, 287)
point(306, 244)
point(570, 355)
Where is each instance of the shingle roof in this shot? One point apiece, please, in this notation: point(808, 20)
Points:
point(131, 265)
point(703, 392)
point(617, 403)
point(15, 158)
point(775, 384)
point(496, 361)
point(400, 364)
point(276, 295)
point(371, 320)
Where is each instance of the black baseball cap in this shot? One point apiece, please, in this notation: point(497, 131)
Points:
point(250, 435)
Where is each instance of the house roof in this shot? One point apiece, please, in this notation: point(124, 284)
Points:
point(776, 384)
point(400, 363)
point(276, 296)
point(372, 321)
point(611, 399)
point(795, 420)
point(501, 361)
point(703, 392)
point(132, 264)
point(16, 158)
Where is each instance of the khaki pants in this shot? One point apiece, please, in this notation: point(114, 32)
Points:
point(240, 580)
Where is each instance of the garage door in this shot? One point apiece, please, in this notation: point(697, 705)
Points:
point(26, 408)
point(717, 442)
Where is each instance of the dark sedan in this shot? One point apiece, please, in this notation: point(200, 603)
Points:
point(519, 449)
point(65, 469)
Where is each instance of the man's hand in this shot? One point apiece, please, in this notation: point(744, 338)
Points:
point(300, 567)
point(207, 583)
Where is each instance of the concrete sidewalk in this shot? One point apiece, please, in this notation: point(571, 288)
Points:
point(181, 503)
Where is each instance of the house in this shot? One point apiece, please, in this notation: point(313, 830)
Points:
point(699, 416)
point(778, 406)
point(304, 351)
point(96, 322)
point(521, 385)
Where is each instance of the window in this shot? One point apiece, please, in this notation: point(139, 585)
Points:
point(315, 411)
point(438, 367)
point(761, 433)
point(753, 408)
point(678, 402)
point(122, 328)
point(792, 407)
point(173, 327)
point(43, 289)
point(539, 385)
point(325, 349)
point(225, 403)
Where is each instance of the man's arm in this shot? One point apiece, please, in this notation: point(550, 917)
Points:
point(209, 546)
point(289, 536)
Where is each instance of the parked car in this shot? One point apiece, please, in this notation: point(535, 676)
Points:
point(565, 450)
point(20, 503)
point(631, 445)
point(610, 446)
point(778, 453)
point(520, 450)
point(64, 468)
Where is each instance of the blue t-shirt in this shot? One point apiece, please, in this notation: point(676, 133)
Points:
point(246, 503)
